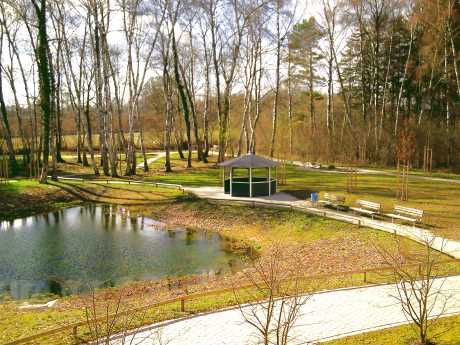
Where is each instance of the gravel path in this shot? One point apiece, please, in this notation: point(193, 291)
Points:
point(325, 316)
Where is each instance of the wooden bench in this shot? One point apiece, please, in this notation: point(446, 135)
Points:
point(332, 200)
point(408, 214)
point(367, 207)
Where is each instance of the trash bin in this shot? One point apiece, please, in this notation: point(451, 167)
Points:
point(314, 198)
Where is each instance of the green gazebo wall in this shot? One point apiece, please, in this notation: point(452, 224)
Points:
point(242, 189)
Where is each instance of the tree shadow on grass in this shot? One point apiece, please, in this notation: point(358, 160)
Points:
point(141, 193)
point(86, 194)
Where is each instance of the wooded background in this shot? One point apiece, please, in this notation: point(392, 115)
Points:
point(351, 81)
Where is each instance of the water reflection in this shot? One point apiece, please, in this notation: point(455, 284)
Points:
point(68, 251)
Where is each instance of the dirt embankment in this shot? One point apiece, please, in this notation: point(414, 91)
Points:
point(253, 230)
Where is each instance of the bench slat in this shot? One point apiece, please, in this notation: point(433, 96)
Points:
point(408, 210)
point(369, 204)
point(406, 213)
point(362, 210)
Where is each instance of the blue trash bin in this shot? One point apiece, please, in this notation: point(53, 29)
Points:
point(314, 198)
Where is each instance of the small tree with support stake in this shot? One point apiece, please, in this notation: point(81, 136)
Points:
point(427, 158)
point(405, 149)
point(352, 180)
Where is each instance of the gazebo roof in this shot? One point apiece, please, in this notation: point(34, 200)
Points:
point(249, 161)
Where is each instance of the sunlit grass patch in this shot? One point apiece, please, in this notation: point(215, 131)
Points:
point(447, 331)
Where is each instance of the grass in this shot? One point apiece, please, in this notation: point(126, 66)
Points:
point(120, 194)
point(328, 245)
point(28, 197)
point(439, 199)
point(446, 331)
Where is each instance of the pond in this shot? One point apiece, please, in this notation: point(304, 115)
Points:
point(78, 248)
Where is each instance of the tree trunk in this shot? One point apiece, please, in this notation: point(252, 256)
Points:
point(311, 90)
point(8, 137)
point(89, 134)
point(183, 98)
point(44, 73)
point(277, 81)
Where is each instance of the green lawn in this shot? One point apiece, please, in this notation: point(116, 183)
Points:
point(446, 331)
point(329, 246)
point(440, 200)
point(27, 197)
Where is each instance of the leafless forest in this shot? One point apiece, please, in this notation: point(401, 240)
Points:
point(349, 81)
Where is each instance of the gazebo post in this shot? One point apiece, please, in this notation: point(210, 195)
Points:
point(269, 182)
point(250, 182)
point(231, 180)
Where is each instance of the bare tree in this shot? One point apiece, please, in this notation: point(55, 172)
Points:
point(111, 322)
point(421, 294)
point(204, 29)
point(278, 295)
point(5, 122)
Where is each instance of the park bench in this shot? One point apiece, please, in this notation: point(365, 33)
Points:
point(367, 207)
point(408, 214)
point(332, 200)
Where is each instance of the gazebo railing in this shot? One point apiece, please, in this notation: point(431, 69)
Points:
point(254, 182)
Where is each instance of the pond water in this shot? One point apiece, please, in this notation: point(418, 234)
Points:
point(78, 248)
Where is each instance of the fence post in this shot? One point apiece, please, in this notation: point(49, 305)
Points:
point(182, 304)
point(74, 332)
point(365, 276)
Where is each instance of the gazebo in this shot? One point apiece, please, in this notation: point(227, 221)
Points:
point(249, 185)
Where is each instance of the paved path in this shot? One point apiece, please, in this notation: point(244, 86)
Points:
point(218, 194)
point(158, 156)
point(325, 316)
point(417, 234)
